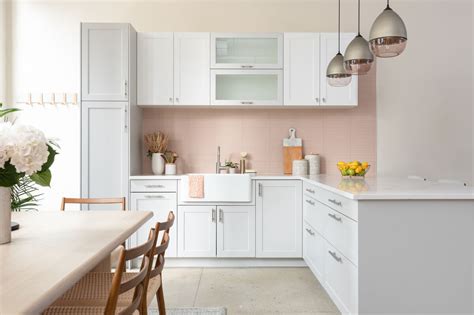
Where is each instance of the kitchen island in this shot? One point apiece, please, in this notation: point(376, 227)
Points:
point(379, 245)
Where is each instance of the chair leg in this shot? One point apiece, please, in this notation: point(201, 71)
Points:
point(161, 300)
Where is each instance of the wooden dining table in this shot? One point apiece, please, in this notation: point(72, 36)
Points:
point(53, 250)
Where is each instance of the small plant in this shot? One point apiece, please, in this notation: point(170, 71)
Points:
point(170, 157)
point(231, 164)
point(156, 142)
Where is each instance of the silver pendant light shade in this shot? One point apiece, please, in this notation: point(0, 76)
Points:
point(388, 35)
point(336, 74)
point(358, 58)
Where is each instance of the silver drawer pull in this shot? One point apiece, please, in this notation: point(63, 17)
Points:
point(310, 190)
point(333, 254)
point(309, 231)
point(310, 202)
point(335, 217)
point(154, 197)
point(154, 186)
point(334, 201)
point(246, 67)
point(213, 218)
point(221, 215)
point(246, 103)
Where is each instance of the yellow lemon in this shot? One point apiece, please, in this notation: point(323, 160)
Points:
point(358, 170)
point(341, 163)
point(354, 166)
point(365, 165)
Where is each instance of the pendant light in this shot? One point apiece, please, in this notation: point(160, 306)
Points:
point(336, 74)
point(358, 58)
point(388, 35)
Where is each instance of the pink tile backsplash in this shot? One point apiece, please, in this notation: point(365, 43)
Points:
point(336, 134)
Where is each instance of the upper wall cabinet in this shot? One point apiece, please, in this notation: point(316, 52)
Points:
point(307, 56)
point(302, 71)
point(155, 69)
point(334, 96)
point(105, 67)
point(246, 50)
point(191, 69)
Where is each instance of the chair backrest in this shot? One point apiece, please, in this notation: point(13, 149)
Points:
point(93, 201)
point(160, 250)
point(138, 282)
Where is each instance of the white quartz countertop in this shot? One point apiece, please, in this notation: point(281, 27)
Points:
point(376, 188)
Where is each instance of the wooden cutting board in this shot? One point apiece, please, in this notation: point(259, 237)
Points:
point(289, 155)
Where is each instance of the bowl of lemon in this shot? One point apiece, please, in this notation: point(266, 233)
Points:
point(353, 169)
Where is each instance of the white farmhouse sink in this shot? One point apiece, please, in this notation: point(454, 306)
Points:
point(220, 188)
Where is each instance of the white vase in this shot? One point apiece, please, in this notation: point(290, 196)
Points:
point(157, 163)
point(170, 169)
point(5, 215)
point(232, 170)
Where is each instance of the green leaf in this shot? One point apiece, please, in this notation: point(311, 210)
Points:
point(4, 112)
point(9, 176)
point(42, 178)
point(50, 161)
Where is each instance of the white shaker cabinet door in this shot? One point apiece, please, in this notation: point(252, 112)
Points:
point(279, 217)
point(104, 154)
point(192, 68)
point(314, 251)
point(155, 59)
point(105, 66)
point(236, 231)
point(336, 96)
point(197, 231)
point(160, 204)
point(302, 69)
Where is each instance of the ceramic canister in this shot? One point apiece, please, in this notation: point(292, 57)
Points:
point(314, 161)
point(300, 167)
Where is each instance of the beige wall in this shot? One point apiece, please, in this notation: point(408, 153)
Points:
point(424, 99)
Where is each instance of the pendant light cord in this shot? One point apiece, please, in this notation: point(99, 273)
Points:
point(339, 28)
point(358, 22)
point(388, 4)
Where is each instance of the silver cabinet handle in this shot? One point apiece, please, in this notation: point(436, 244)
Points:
point(260, 192)
point(334, 201)
point(324, 100)
point(317, 99)
point(246, 67)
point(221, 215)
point(125, 83)
point(311, 191)
point(310, 202)
point(125, 126)
point(171, 99)
point(177, 99)
point(154, 186)
point(335, 217)
point(154, 196)
point(310, 232)
point(213, 218)
point(333, 254)
point(246, 103)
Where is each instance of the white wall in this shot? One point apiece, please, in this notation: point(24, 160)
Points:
point(424, 97)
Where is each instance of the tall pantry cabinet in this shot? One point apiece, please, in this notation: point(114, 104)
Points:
point(110, 119)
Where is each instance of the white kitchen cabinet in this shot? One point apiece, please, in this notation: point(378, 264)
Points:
point(336, 96)
point(236, 231)
point(155, 70)
point(191, 68)
point(302, 69)
point(314, 251)
point(105, 61)
point(246, 50)
point(160, 204)
point(197, 231)
point(246, 87)
point(104, 151)
point(279, 219)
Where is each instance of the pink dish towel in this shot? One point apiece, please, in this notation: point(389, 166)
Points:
point(196, 186)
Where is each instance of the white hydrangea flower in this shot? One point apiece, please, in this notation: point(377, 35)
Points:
point(5, 137)
point(28, 149)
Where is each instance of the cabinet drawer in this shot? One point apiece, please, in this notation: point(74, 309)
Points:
point(342, 233)
point(342, 204)
point(315, 213)
point(314, 251)
point(153, 185)
point(341, 280)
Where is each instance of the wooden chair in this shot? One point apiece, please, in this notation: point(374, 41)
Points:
point(100, 293)
point(98, 201)
point(81, 293)
point(93, 201)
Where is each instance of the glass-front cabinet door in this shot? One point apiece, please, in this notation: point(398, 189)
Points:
point(246, 50)
point(246, 87)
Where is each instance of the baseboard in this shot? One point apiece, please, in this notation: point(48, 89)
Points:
point(233, 262)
